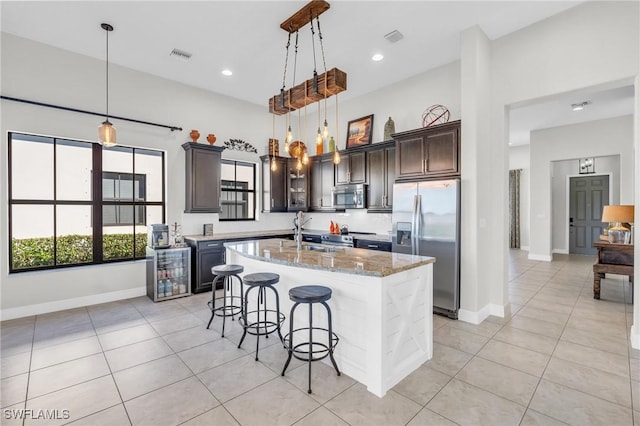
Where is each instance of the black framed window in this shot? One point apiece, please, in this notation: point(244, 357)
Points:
point(237, 191)
point(64, 210)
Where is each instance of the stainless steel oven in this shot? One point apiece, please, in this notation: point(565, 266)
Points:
point(349, 196)
point(337, 240)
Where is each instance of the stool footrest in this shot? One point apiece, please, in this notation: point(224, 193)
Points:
point(262, 326)
point(226, 310)
point(301, 350)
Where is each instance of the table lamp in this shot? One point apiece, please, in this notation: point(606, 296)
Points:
point(618, 215)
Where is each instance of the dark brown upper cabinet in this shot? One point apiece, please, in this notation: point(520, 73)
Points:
point(430, 152)
point(202, 180)
point(352, 168)
point(274, 183)
point(381, 172)
point(322, 177)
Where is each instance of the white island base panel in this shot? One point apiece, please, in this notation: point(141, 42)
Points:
point(385, 324)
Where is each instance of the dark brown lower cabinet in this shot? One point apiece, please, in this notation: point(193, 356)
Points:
point(207, 254)
point(204, 256)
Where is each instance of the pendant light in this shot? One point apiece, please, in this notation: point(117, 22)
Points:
point(106, 132)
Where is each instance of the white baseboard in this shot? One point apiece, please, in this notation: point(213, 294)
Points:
point(635, 337)
point(524, 248)
point(59, 305)
point(541, 257)
point(560, 251)
point(479, 316)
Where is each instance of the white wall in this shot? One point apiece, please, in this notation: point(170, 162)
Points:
point(519, 159)
point(594, 139)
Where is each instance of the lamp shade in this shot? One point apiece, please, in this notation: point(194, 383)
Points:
point(618, 214)
point(107, 134)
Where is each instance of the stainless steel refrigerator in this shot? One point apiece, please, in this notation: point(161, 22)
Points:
point(426, 222)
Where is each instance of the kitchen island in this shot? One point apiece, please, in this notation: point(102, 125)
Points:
point(381, 303)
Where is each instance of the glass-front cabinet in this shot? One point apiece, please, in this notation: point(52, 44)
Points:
point(168, 273)
point(298, 186)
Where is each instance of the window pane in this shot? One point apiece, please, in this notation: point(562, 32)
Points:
point(32, 236)
point(153, 215)
point(74, 241)
point(117, 164)
point(228, 172)
point(244, 174)
point(117, 241)
point(149, 164)
point(73, 170)
point(31, 167)
point(147, 216)
point(251, 207)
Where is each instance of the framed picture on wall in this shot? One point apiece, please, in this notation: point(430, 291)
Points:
point(359, 131)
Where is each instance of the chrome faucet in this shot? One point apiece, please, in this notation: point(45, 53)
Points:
point(299, 222)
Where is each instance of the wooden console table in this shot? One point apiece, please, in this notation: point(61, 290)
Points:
point(612, 259)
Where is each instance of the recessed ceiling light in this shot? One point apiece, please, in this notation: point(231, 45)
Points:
point(580, 105)
point(377, 57)
point(227, 72)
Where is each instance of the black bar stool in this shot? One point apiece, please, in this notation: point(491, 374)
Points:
point(262, 320)
point(231, 304)
point(310, 350)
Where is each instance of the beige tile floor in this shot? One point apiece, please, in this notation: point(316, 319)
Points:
point(561, 358)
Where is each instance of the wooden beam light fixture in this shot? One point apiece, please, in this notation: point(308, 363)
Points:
point(321, 86)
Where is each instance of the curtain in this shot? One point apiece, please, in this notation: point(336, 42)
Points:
point(514, 208)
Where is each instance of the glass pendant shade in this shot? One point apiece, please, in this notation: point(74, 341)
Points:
point(336, 157)
point(289, 135)
point(325, 131)
point(107, 134)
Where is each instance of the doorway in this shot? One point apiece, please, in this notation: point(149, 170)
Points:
point(587, 196)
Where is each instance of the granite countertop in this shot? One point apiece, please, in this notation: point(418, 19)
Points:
point(343, 259)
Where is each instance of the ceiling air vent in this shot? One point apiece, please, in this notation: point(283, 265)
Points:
point(180, 54)
point(394, 36)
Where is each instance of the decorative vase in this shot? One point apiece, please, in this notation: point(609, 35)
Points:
point(194, 134)
point(211, 138)
point(332, 144)
point(389, 129)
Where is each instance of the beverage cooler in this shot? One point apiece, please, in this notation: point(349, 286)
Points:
point(168, 273)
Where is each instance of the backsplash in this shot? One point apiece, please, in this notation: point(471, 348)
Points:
point(356, 220)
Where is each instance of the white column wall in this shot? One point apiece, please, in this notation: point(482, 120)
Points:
point(635, 328)
point(480, 294)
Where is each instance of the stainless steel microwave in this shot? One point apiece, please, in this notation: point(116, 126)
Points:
point(349, 196)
